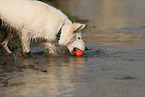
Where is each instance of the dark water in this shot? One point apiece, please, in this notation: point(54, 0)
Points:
point(114, 65)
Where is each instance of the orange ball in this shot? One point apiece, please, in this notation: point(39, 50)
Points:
point(79, 53)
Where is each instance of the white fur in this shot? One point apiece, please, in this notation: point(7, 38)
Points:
point(35, 19)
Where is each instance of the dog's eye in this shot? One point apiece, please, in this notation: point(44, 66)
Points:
point(79, 38)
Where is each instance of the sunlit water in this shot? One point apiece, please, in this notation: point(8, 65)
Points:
point(112, 67)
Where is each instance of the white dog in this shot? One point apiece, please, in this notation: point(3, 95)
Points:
point(34, 19)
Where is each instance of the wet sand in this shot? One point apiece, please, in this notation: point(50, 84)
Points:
point(113, 65)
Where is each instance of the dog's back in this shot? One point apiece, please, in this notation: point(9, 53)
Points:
point(33, 15)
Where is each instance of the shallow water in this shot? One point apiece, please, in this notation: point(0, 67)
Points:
point(112, 67)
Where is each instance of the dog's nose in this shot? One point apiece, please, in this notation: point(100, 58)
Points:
point(75, 49)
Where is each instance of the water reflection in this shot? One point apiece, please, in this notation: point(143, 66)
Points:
point(48, 75)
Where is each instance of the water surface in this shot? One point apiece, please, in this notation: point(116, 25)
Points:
point(112, 67)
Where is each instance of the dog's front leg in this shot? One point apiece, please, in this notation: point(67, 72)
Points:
point(25, 41)
point(50, 48)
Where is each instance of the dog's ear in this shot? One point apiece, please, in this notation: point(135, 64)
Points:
point(77, 27)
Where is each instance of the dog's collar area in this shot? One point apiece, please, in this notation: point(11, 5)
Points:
point(59, 32)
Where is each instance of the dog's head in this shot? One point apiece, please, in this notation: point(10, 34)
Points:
point(71, 37)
